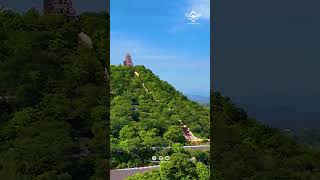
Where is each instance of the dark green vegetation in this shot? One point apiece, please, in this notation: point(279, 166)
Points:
point(180, 166)
point(246, 149)
point(302, 125)
point(309, 137)
point(145, 113)
point(53, 96)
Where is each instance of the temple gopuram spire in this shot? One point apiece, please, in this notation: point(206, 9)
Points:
point(64, 7)
point(128, 60)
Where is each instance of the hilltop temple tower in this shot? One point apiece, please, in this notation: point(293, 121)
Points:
point(128, 60)
point(59, 7)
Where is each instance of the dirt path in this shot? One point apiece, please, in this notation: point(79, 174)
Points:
point(144, 86)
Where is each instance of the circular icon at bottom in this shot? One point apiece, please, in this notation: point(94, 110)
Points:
point(167, 158)
point(160, 158)
point(154, 158)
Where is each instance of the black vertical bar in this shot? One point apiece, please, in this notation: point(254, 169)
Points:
point(107, 69)
point(212, 59)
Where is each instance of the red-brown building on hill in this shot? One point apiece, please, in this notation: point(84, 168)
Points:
point(59, 7)
point(128, 60)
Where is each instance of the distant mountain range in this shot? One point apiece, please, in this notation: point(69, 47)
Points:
point(284, 117)
point(200, 99)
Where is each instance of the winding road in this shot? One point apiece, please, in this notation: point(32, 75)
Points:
point(121, 174)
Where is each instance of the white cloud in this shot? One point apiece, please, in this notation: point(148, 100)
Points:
point(202, 7)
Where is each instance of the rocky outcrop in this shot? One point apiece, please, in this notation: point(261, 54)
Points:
point(85, 40)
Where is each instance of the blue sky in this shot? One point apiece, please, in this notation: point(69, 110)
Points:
point(157, 35)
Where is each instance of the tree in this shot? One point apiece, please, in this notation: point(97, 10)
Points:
point(53, 95)
point(203, 171)
point(174, 135)
point(179, 167)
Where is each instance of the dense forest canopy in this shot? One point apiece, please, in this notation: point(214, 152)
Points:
point(145, 113)
point(245, 149)
point(53, 96)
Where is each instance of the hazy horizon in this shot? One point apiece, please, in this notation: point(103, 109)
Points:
point(270, 59)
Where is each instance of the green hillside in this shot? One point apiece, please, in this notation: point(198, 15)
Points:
point(52, 96)
point(145, 113)
point(245, 149)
